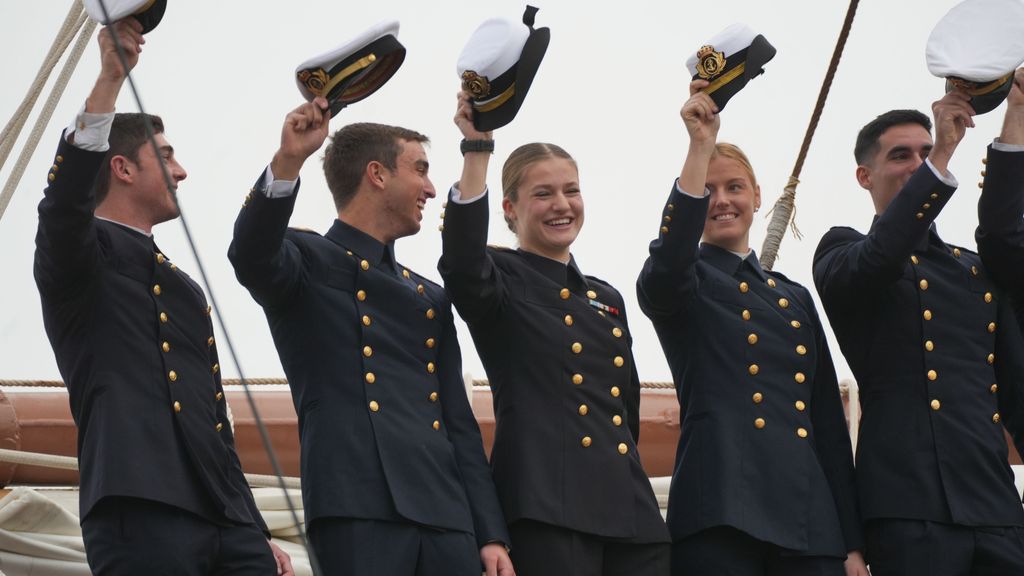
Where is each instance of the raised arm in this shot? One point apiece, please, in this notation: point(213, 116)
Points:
point(669, 278)
point(264, 263)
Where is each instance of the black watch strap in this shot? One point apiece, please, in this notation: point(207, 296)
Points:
point(476, 146)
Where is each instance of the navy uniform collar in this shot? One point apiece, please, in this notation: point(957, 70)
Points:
point(568, 275)
point(365, 246)
point(730, 263)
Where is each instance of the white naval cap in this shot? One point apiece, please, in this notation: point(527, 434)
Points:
point(729, 60)
point(147, 12)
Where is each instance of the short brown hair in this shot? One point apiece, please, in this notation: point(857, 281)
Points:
point(354, 146)
point(127, 137)
point(733, 152)
point(519, 161)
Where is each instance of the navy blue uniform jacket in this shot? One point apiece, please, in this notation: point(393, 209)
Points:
point(764, 446)
point(373, 361)
point(937, 356)
point(134, 343)
point(566, 391)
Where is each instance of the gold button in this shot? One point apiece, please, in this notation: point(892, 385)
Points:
point(995, 418)
point(430, 342)
point(984, 160)
point(420, 288)
point(577, 379)
point(432, 397)
point(920, 215)
point(215, 368)
point(430, 367)
point(55, 168)
point(591, 294)
point(431, 314)
point(746, 314)
point(956, 252)
point(405, 273)
point(210, 341)
point(664, 229)
point(361, 295)
point(974, 270)
point(795, 324)
point(156, 289)
point(173, 267)
point(623, 448)
point(670, 207)
point(618, 361)
point(991, 327)
point(209, 310)
point(163, 317)
point(994, 388)
point(801, 432)
point(568, 319)
point(933, 375)
point(586, 441)
point(982, 173)
point(441, 228)
point(988, 297)
point(371, 377)
point(583, 410)
point(349, 252)
point(929, 345)
point(754, 369)
point(177, 406)
point(364, 265)
point(771, 283)
point(801, 349)
point(758, 397)
point(923, 284)
point(366, 320)
point(166, 346)
point(991, 358)
point(59, 159)
point(936, 405)
point(744, 288)
point(564, 293)
point(617, 420)
point(160, 258)
point(783, 303)
point(914, 259)
point(759, 423)
point(934, 196)
point(752, 339)
point(172, 376)
point(219, 396)
point(51, 177)
point(577, 347)
point(219, 427)
point(617, 332)
point(367, 351)
point(615, 391)
point(437, 425)
point(800, 405)
point(927, 314)
point(667, 218)
point(374, 406)
point(926, 206)
point(799, 377)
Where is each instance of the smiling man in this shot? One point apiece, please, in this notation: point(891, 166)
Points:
point(937, 356)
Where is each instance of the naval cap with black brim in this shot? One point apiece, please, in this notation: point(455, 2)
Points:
point(729, 60)
point(976, 47)
point(147, 12)
point(353, 70)
point(497, 67)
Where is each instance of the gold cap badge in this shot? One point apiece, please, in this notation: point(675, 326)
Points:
point(475, 84)
point(709, 62)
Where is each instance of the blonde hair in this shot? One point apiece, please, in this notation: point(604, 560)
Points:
point(733, 152)
point(519, 161)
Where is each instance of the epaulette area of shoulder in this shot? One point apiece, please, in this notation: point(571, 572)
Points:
point(303, 229)
point(499, 248)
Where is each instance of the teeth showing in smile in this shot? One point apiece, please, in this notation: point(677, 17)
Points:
point(559, 222)
point(724, 217)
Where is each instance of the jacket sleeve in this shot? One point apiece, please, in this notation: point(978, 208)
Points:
point(471, 279)
point(67, 249)
point(268, 265)
point(668, 280)
point(846, 264)
point(832, 438)
point(1000, 233)
point(464, 434)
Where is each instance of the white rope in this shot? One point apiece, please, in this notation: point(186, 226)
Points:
point(85, 27)
point(71, 463)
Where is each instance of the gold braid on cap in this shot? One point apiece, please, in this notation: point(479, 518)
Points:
point(976, 89)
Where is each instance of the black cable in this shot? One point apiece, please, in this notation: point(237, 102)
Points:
point(169, 182)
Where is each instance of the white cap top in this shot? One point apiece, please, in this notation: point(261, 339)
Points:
point(117, 9)
point(494, 48)
point(729, 41)
point(978, 40)
point(327, 60)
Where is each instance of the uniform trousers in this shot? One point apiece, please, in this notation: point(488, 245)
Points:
point(919, 548)
point(359, 547)
point(540, 549)
point(134, 536)
point(726, 551)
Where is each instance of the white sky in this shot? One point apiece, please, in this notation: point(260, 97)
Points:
point(609, 91)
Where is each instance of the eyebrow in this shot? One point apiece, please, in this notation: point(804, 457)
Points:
point(167, 148)
point(422, 164)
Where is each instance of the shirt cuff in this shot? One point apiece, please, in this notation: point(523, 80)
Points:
point(685, 193)
point(1003, 147)
point(947, 180)
point(277, 188)
point(455, 195)
point(91, 131)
